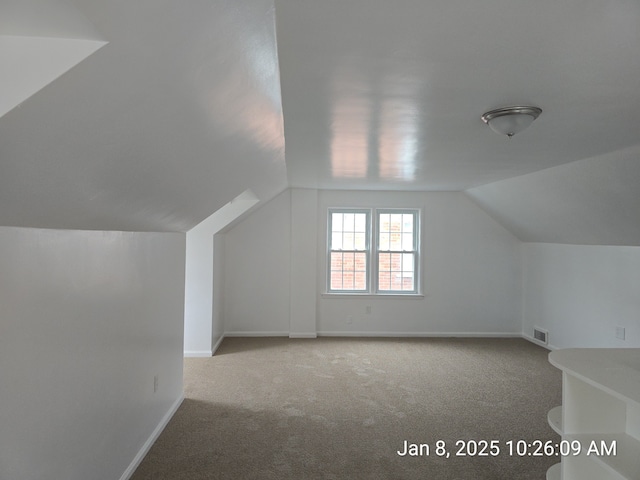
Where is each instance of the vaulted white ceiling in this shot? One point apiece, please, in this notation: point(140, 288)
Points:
point(189, 104)
point(178, 114)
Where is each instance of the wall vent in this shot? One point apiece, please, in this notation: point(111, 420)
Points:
point(541, 335)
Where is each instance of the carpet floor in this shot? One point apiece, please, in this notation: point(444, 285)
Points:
point(346, 408)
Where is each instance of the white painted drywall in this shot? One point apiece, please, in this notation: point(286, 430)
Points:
point(471, 272)
point(471, 265)
point(202, 322)
point(257, 271)
point(87, 319)
point(580, 294)
point(304, 224)
point(594, 201)
point(39, 41)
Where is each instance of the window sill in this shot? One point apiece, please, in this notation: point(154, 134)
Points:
point(377, 296)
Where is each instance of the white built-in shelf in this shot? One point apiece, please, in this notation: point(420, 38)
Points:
point(555, 419)
point(555, 472)
point(601, 407)
point(626, 462)
point(614, 370)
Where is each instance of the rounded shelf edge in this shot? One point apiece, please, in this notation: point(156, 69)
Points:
point(555, 472)
point(554, 417)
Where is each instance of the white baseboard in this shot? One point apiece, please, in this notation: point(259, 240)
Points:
point(421, 334)
point(303, 335)
point(151, 440)
point(215, 347)
point(197, 353)
point(256, 334)
point(204, 353)
point(371, 334)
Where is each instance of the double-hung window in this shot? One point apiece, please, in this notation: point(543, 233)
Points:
point(349, 247)
point(373, 251)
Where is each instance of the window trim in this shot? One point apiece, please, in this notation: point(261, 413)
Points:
point(367, 250)
point(416, 251)
point(372, 254)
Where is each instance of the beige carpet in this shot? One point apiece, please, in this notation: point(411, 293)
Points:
point(339, 408)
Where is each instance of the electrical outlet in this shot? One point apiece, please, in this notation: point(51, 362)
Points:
point(155, 383)
point(620, 333)
point(367, 309)
point(350, 319)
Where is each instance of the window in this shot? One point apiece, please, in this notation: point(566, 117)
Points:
point(396, 251)
point(373, 251)
point(349, 250)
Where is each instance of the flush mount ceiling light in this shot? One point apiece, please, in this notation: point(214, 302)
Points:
point(511, 120)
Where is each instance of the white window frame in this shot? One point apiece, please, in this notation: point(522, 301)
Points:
point(367, 249)
point(416, 250)
point(373, 251)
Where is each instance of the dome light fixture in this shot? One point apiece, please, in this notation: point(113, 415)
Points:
point(511, 120)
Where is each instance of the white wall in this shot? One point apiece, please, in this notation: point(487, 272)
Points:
point(87, 319)
point(204, 263)
point(580, 294)
point(472, 271)
point(304, 224)
point(257, 271)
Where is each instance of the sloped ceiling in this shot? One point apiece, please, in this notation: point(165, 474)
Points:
point(189, 105)
point(39, 41)
point(178, 114)
point(595, 201)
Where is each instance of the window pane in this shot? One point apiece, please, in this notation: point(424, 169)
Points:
point(396, 222)
point(336, 261)
point(396, 281)
point(348, 261)
point(336, 271)
point(407, 281)
point(349, 222)
point(407, 241)
point(360, 241)
point(347, 241)
point(384, 280)
point(396, 241)
point(407, 222)
point(336, 281)
point(336, 240)
point(361, 222)
point(384, 262)
point(396, 272)
point(407, 262)
point(348, 271)
point(336, 222)
point(384, 241)
point(384, 220)
point(396, 262)
point(347, 280)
